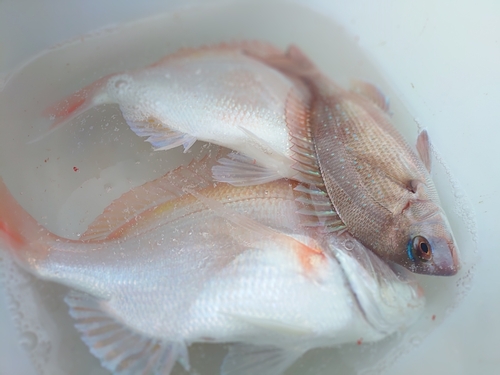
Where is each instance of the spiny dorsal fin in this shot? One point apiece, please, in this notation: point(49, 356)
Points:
point(316, 206)
point(297, 114)
point(120, 349)
point(151, 194)
point(316, 209)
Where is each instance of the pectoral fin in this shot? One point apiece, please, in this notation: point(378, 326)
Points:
point(424, 149)
point(121, 350)
point(262, 360)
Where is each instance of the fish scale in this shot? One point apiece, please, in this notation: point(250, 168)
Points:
point(193, 261)
point(378, 186)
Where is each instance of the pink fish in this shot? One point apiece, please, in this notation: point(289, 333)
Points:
point(379, 187)
point(287, 119)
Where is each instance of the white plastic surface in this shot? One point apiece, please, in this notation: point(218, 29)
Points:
point(441, 59)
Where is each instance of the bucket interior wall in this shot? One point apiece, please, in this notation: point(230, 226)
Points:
point(438, 74)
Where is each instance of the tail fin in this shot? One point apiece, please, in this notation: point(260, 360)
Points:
point(77, 103)
point(25, 238)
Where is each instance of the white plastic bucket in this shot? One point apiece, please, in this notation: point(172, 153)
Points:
point(438, 60)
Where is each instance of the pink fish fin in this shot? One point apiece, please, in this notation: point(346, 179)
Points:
point(240, 170)
point(424, 149)
point(293, 62)
point(75, 104)
point(371, 92)
point(142, 199)
point(300, 58)
point(120, 349)
point(242, 221)
point(251, 231)
point(316, 209)
point(253, 48)
point(297, 114)
point(161, 136)
point(25, 238)
point(245, 359)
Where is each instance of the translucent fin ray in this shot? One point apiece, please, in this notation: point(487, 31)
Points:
point(161, 136)
point(251, 360)
point(239, 170)
point(152, 193)
point(121, 350)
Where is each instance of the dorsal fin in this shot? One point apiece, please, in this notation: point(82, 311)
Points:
point(152, 193)
point(253, 48)
point(370, 92)
point(315, 204)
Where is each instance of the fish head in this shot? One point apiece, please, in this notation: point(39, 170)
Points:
point(430, 246)
point(388, 294)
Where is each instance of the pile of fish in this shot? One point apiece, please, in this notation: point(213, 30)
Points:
point(297, 228)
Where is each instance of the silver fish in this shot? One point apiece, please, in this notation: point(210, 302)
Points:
point(222, 94)
point(178, 261)
point(287, 119)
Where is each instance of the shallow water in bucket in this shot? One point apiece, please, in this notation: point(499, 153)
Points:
point(67, 178)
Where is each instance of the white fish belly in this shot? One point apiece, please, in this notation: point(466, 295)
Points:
point(210, 98)
point(264, 298)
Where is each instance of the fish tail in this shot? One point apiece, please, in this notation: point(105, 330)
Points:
point(77, 103)
point(25, 239)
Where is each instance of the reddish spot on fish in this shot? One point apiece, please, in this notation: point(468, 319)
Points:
point(310, 257)
point(434, 317)
point(360, 341)
point(76, 169)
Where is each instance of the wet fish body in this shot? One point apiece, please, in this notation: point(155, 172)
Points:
point(379, 187)
point(201, 268)
point(284, 118)
point(222, 94)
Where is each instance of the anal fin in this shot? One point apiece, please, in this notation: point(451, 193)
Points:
point(160, 136)
point(120, 349)
point(245, 359)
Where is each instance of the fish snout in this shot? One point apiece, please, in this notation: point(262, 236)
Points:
point(445, 260)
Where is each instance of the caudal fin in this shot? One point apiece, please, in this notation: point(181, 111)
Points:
point(77, 103)
point(21, 233)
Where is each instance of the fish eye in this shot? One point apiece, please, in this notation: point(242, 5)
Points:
point(421, 248)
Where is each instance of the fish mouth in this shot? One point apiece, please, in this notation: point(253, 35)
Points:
point(449, 265)
point(443, 263)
